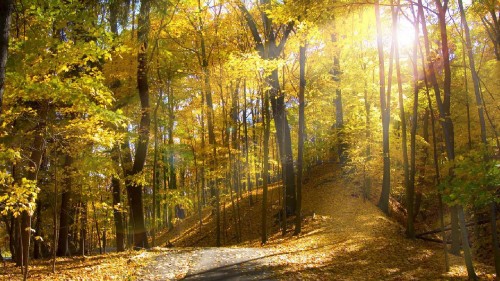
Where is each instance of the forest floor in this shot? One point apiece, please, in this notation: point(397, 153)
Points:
point(343, 238)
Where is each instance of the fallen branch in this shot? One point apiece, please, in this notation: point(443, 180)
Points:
point(449, 228)
point(432, 240)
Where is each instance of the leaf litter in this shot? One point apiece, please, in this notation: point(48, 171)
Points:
point(343, 238)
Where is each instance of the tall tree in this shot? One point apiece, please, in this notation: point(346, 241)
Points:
point(115, 180)
point(134, 189)
point(265, 172)
point(386, 115)
point(474, 74)
point(482, 123)
point(432, 69)
point(444, 105)
point(301, 134)
point(410, 188)
point(269, 48)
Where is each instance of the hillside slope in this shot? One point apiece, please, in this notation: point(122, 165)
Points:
point(344, 238)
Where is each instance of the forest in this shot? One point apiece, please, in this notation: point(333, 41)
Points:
point(123, 120)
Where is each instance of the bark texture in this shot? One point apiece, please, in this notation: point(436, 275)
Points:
point(6, 7)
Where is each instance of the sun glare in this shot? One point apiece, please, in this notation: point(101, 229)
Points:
point(406, 34)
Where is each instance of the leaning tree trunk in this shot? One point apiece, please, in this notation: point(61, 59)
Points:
point(438, 177)
point(482, 123)
point(447, 129)
point(447, 125)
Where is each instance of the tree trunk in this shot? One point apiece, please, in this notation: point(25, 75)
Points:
point(214, 190)
point(284, 141)
point(494, 236)
point(339, 110)
point(438, 177)
point(475, 77)
point(272, 50)
point(64, 216)
point(404, 143)
point(118, 214)
point(37, 251)
point(10, 229)
point(6, 7)
point(385, 107)
point(172, 178)
point(447, 124)
point(300, 148)
point(134, 190)
point(54, 222)
point(265, 172)
point(367, 181)
point(410, 189)
point(235, 163)
point(465, 243)
point(247, 145)
point(115, 182)
point(16, 228)
point(482, 123)
point(83, 230)
point(156, 170)
point(97, 229)
point(443, 107)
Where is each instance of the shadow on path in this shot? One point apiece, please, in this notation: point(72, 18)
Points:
point(229, 264)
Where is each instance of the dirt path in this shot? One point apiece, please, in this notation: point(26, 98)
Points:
point(209, 264)
point(230, 264)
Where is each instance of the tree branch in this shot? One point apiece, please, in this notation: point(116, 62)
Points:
point(252, 25)
point(287, 32)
